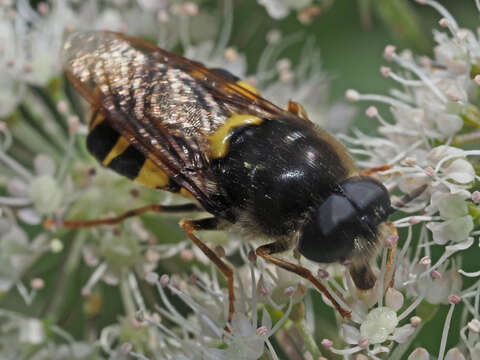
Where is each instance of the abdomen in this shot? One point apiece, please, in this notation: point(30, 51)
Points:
point(115, 152)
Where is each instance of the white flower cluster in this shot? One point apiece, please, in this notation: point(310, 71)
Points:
point(31, 39)
point(203, 328)
point(435, 112)
point(44, 171)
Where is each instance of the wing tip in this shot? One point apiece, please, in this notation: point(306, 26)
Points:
point(78, 44)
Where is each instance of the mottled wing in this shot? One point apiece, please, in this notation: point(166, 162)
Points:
point(229, 93)
point(162, 104)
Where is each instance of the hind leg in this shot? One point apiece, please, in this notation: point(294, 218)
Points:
point(190, 227)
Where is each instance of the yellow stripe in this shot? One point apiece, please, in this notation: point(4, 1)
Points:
point(152, 176)
point(94, 121)
point(121, 145)
point(185, 193)
point(220, 139)
point(97, 116)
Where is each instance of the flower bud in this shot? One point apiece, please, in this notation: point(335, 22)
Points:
point(379, 324)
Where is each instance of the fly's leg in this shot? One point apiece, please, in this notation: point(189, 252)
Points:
point(114, 220)
point(391, 258)
point(371, 171)
point(190, 227)
point(266, 252)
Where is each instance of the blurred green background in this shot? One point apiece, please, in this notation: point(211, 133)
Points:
point(351, 36)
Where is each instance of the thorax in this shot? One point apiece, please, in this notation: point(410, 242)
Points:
point(275, 172)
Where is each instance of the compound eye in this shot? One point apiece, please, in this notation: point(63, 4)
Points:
point(329, 236)
point(334, 212)
point(367, 194)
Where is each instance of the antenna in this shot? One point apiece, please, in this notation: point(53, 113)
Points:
point(398, 205)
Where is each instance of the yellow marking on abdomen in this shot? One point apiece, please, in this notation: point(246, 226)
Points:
point(96, 119)
point(248, 86)
point(120, 146)
point(152, 176)
point(220, 139)
point(185, 193)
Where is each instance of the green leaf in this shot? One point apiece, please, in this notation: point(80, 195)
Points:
point(400, 17)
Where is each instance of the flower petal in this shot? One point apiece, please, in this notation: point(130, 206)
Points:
point(452, 206)
point(448, 124)
point(394, 299)
point(454, 354)
point(460, 171)
point(44, 165)
point(456, 230)
point(419, 354)
point(350, 334)
point(402, 333)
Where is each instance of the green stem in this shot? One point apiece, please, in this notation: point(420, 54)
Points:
point(30, 119)
point(70, 266)
point(400, 350)
point(47, 100)
point(471, 116)
point(468, 138)
point(127, 298)
point(365, 10)
point(73, 99)
point(308, 339)
point(474, 212)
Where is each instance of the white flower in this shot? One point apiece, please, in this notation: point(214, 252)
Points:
point(438, 153)
point(41, 190)
point(31, 39)
point(246, 343)
point(436, 291)
point(45, 193)
point(434, 106)
point(31, 332)
point(457, 225)
point(456, 230)
point(16, 251)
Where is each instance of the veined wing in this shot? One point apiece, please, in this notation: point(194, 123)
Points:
point(164, 105)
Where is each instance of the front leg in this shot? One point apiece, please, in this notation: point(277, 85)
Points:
point(374, 170)
point(266, 252)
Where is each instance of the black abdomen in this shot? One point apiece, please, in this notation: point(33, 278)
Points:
point(278, 171)
point(127, 160)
